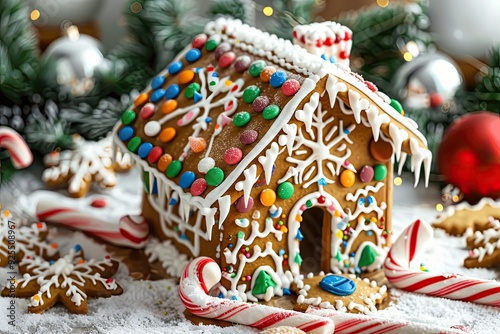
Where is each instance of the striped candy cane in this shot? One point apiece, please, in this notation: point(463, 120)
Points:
point(453, 286)
point(20, 154)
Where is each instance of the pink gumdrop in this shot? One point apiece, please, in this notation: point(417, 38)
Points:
point(241, 207)
point(227, 59)
point(147, 111)
point(233, 155)
point(290, 87)
point(198, 187)
point(199, 41)
point(248, 137)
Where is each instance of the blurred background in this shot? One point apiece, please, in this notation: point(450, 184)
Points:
point(74, 66)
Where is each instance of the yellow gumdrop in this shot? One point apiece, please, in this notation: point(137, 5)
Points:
point(267, 197)
point(340, 234)
point(347, 178)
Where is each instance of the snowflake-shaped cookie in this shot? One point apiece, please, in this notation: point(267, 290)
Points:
point(16, 241)
point(484, 246)
point(69, 280)
point(87, 162)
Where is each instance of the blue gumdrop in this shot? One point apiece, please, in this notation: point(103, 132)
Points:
point(175, 67)
point(299, 235)
point(126, 133)
point(338, 285)
point(193, 55)
point(197, 97)
point(277, 79)
point(144, 150)
point(157, 82)
point(157, 95)
point(172, 92)
point(186, 179)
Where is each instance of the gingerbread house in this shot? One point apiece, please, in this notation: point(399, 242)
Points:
point(271, 157)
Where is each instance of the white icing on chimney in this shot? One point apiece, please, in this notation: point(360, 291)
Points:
point(330, 40)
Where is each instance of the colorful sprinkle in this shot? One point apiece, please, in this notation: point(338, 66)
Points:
point(175, 67)
point(256, 68)
point(205, 165)
point(128, 117)
point(144, 150)
point(214, 176)
point(191, 89)
point(155, 154)
point(152, 128)
point(157, 95)
point(169, 106)
point(380, 172)
point(241, 119)
point(277, 79)
point(186, 77)
point(167, 135)
point(174, 168)
point(251, 93)
point(199, 41)
point(186, 179)
point(197, 144)
point(260, 103)
point(248, 137)
point(172, 92)
point(233, 155)
point(290, 87)
point(227, 59)
point(147, 111)
point(241, 207)
point(221, 49)
point(193, 55)
point(126, 133)
point(347, 178)
point(141, 99)
point(134, 143)
point(242, 63)
point(164, 161)
point(267, 197)
point(198, 187)
point(285, 190)
point(271, 111)
point(157, 82)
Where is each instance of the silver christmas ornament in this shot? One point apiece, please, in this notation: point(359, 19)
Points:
point(428, 81)
point(76, 57)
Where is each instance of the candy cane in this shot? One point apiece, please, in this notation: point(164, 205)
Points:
point(20, 154)
point(453, 286)
point(203, 273)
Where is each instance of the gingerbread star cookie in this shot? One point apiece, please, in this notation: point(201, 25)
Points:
point(69, 280)
point(456, 219)
point(344, 293)
point(18, 241)
point(87, 163)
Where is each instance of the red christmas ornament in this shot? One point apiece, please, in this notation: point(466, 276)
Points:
point(469, 155)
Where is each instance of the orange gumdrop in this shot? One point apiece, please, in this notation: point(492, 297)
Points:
point(141, 99)
point(186, 77)
point(164, 161)
point(167, 135)
point(266, 73)
point(197, 144)
point(169, 106)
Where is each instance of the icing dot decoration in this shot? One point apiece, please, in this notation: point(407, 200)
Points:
point(221, 49)
point(241, 119)
point(267, 197)
point(347, 178)
point(199, 41)
point(380, 172)
point(366, 174)
point(227, 59)
point(174, 168)
point(172, 92)
point(142, 98)
point(133, 144)
point(198, 187)
point(164, 161)
point(186, 179)
point(186, 77)
point(126, 133)
point(157, 95)
point(205, 165)
point(144, 150)
point(214, 176)
point(128, 117)
point(266, 73)
point(169, 106)
point(157, 82)
point(257, 67)
point(147, 111)
point(197, 144)
point(242, 63)
point(290, 87)
point(251, 93)
point(248, 137)
point(155, 154)
point(175, 67)
point(191, 89)
point(277, 79)
point(167, 135)
point(285, 190)
point(271, 111)
point(193, 55)
point(241, 207)
point(260, 103)
point(338, 285)
point(233, 155)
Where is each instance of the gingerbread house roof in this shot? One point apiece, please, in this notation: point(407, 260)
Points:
point(205, 103)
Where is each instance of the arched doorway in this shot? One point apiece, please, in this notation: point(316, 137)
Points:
point(314, 247)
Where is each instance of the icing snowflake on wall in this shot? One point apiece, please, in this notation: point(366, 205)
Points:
point(69, 280)
point(319, 145)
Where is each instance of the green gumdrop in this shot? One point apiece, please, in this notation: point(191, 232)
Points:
point(211, 45)
point(271, 111)
point(262, 283)
point(251, 93)
point(380, 172)
point(174, 168)
point(133, 144)
point(214, 176)
point(241, 119)
point(285, 190)
point(128, 117)
point(368, 256)
point(194, 87)
point(256, 68)
point(396, 105)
